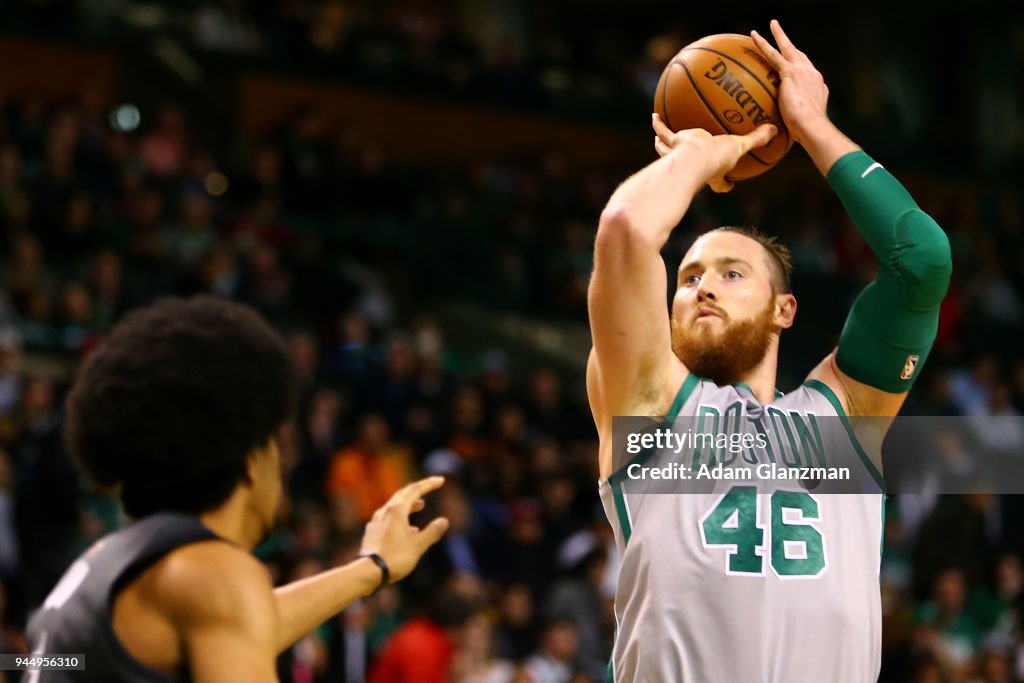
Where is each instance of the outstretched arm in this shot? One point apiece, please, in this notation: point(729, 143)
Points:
point(628, 314)
point(304, 605)
point(892, 324)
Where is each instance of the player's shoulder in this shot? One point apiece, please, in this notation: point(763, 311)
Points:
point(812, 396)
point(211, 580)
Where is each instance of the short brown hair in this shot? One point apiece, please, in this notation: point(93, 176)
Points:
point(781, 260)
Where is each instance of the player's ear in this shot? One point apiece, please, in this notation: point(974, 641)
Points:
point(785, 310)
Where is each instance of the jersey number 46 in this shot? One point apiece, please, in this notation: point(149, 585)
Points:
point(792, 540)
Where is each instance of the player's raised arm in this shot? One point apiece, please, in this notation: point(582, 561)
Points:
point(893, 322)
point(628, 312)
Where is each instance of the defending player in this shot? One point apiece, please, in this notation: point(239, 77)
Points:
point(181, 407)
point(742, 586)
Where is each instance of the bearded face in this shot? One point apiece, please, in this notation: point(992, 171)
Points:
point(720, 348)
point(726, 311)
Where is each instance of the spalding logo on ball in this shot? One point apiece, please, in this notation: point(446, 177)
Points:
point(723, 84)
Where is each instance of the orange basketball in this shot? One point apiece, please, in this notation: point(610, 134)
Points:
point(723, 84)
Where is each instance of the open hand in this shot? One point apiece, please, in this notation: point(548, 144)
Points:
point(390, 535)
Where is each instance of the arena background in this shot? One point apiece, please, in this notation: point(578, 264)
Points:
point(409, 190)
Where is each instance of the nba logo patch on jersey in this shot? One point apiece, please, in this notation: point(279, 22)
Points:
point(909, 367)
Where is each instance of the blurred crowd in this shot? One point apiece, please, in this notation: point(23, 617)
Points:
point(343, 249)
point(96, 222)
point(597, 61)
point(517, 54)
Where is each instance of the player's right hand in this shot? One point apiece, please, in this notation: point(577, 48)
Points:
point(720, 153)
point(390, 535)
point(803, 95)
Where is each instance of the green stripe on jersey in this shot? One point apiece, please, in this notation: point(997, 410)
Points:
point(617, 477)
point(682, 395)
point(826, 391)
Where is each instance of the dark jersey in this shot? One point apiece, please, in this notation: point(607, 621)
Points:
point(77, 616)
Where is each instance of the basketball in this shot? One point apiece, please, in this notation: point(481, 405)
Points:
point(723, 84)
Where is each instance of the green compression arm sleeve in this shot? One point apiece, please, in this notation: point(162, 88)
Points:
point(893, 322)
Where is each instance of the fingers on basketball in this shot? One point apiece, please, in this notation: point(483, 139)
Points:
point(773, 56)
point(721, 186)
point(660, 129)
point(759, 137)
point(790, 51)
point(786, 46)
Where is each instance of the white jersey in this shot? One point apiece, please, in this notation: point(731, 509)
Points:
point(749, 584)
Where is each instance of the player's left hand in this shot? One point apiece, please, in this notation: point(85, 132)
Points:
point(390, 535)
point(803, 95)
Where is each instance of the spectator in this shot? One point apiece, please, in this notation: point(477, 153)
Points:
point(109, 297)
point(423, 649)
point(321, 436)
point(10, 551)
point(993, 604)
point(994, 668)
point(225, 25)
point(76, 317)
point(954, 635)
point(528, 552)
point(970, 388)
point(468, 438)
point(25, 275)
point(474, 661)
point(397, 390)
point(369, 470)
point(458, 552)
point(163, 149)
point(307, 659)
point(954, 535)
point(516, 632)
point(580, 601)
point(999, 431)
point(191, 237)
point(10, 369)
point(46, 497)
point(554, 662)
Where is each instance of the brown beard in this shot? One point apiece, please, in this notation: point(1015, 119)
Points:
point(725, 356)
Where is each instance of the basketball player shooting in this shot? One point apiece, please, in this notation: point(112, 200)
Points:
point(709, 589)
point(182, 407)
